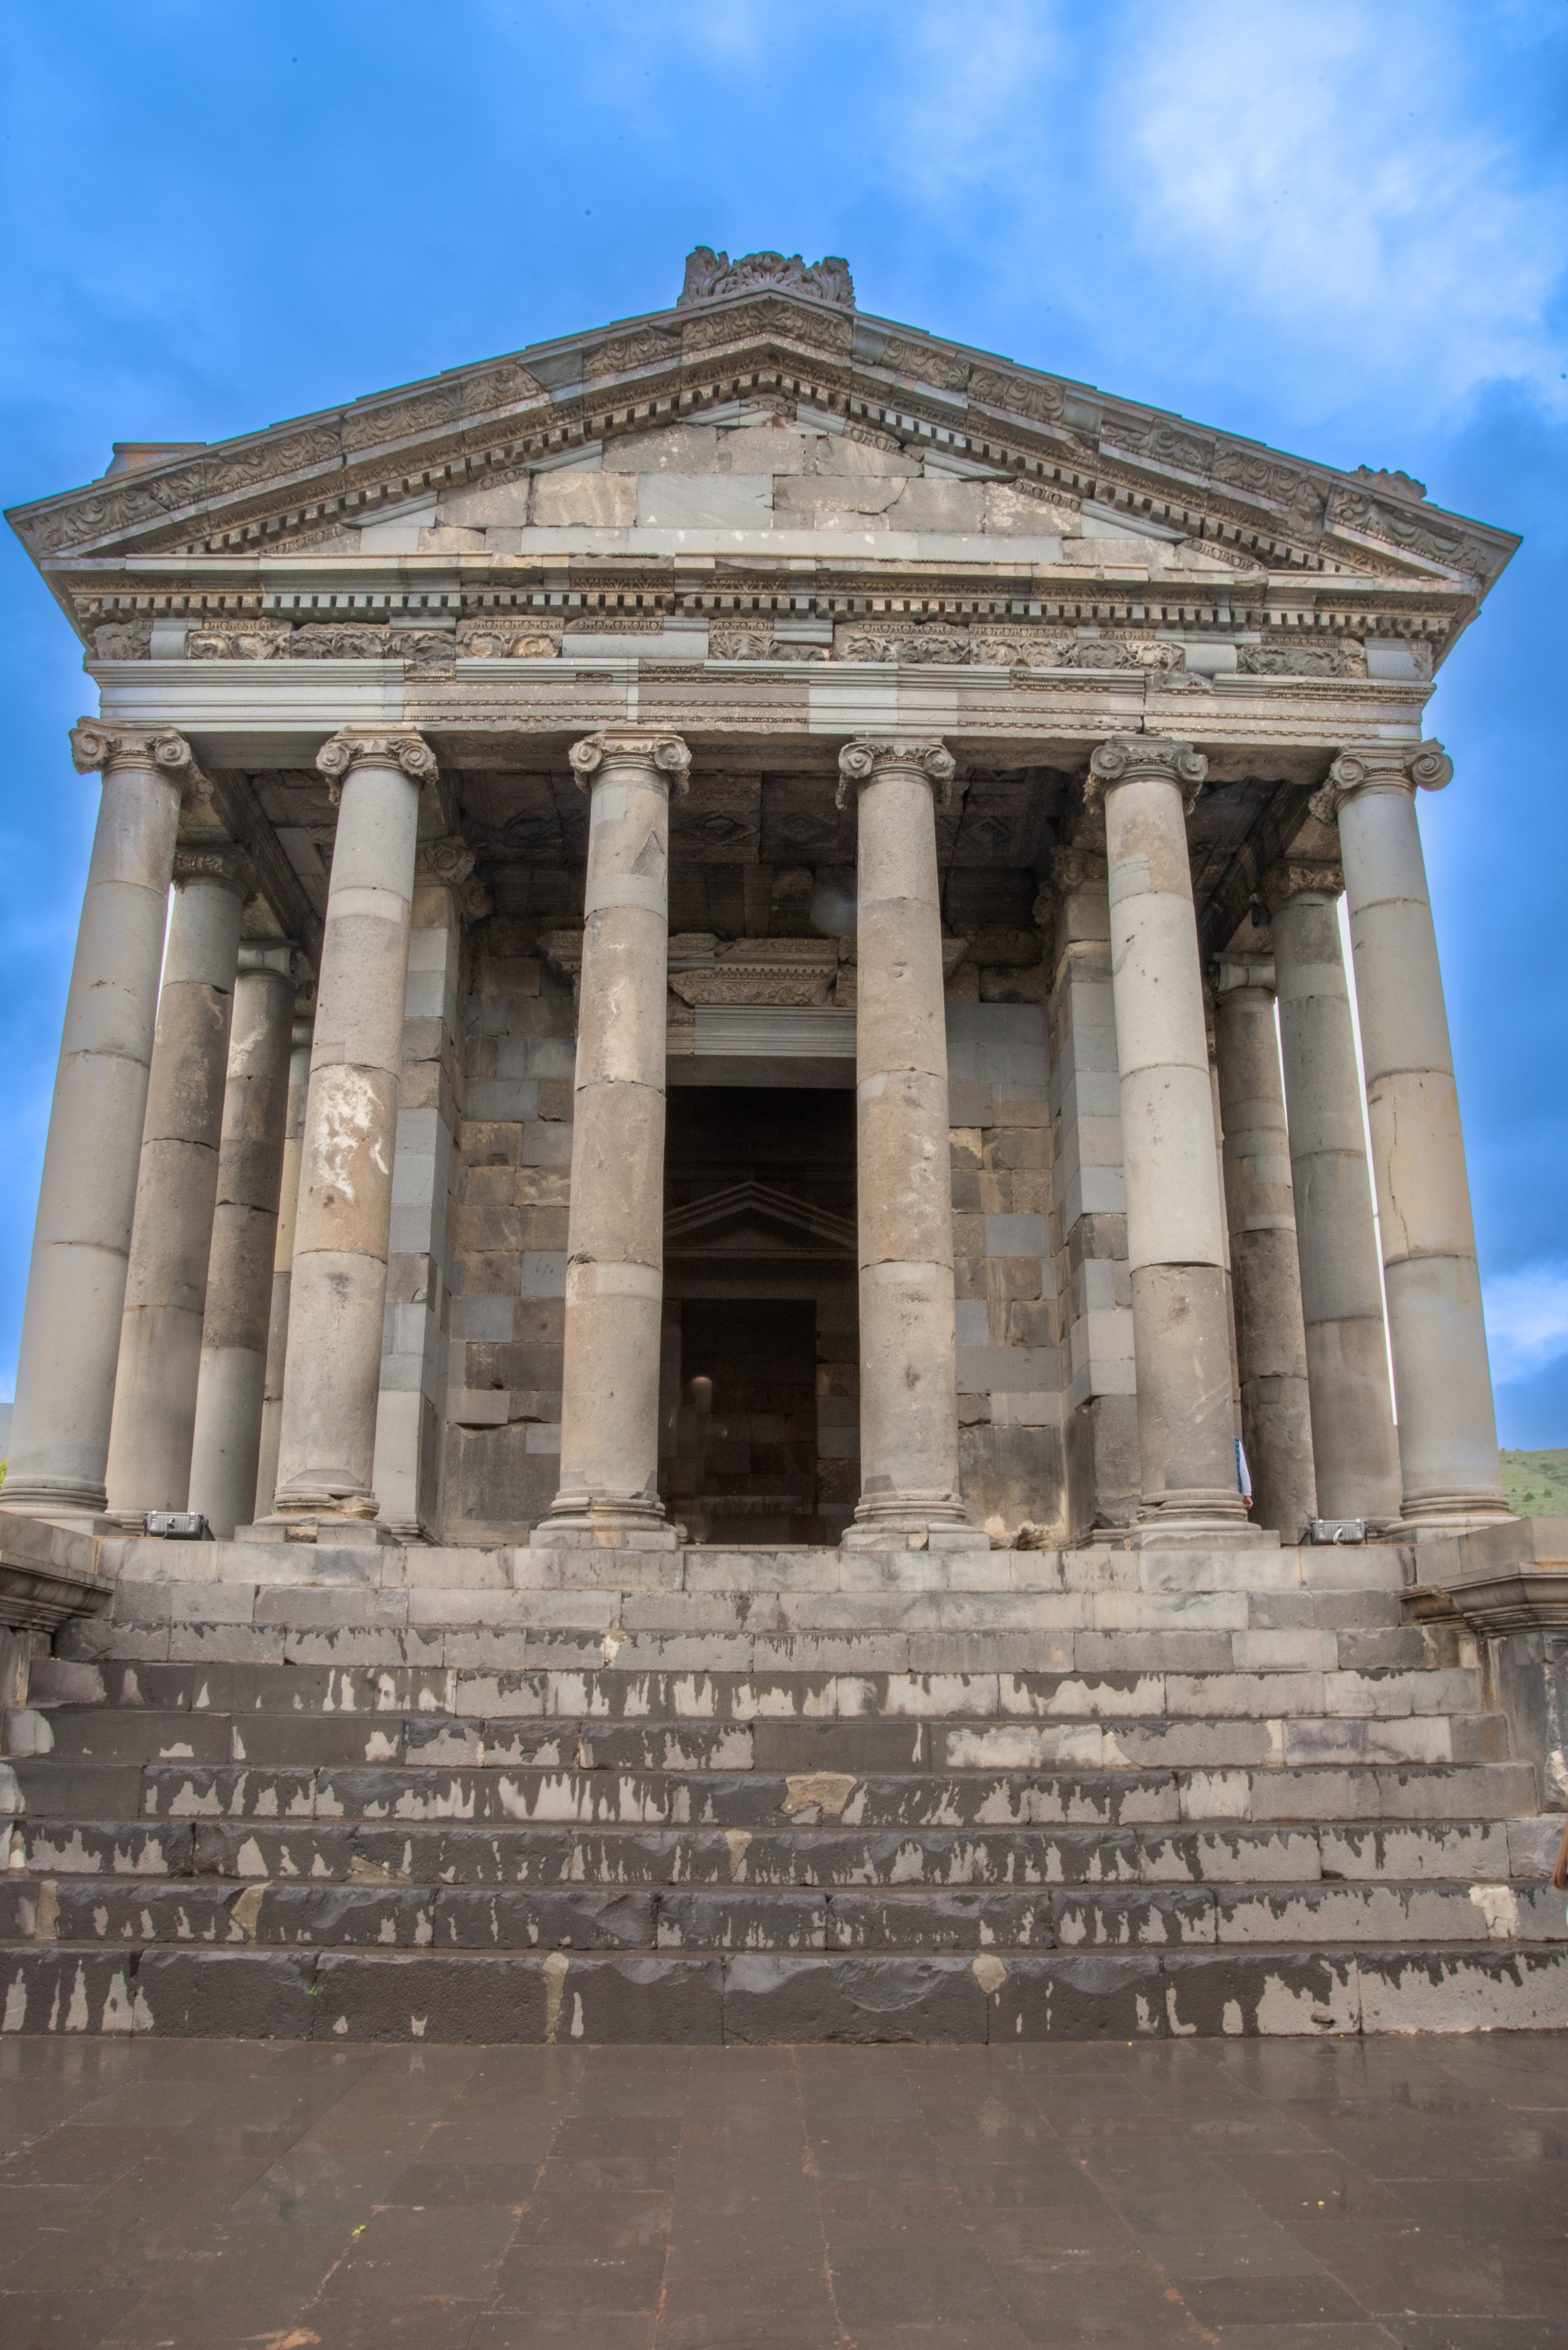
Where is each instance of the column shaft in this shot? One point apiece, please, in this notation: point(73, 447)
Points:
point(283, 1267)
point(338, 1293)
point(1354, 1453)
point(614, 1236)
point(1176, 1236)
point(227, 1443)
point(1271, 1338)
point(76, 1285)
point(1442, 1381)
point(909, 1383)
point(172, 1239)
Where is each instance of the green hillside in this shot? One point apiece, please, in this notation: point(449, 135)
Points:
point(1536, 1483)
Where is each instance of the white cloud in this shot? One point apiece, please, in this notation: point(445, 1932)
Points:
point(1527, 1319)
point(1333, 171)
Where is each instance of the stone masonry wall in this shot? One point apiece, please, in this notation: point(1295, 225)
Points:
point(1009, 1359)
point(509, 1245)
point(1088, 1237)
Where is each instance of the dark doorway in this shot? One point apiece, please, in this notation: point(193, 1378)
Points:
point(760, 1441)
point(746, 1435)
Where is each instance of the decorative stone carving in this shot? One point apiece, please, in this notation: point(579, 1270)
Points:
point(758, 644)
point(1191, 452)
point(649, 348)
point(398, 419)
point(1071, 869)
point(447, 863)
point(1392, 484)
point(501, 387)
point(355, 745)
point(1126, 755)
point(711, 275)
point(240, 639)
point(123, 640)
point(1381, 767)
point(269, 460)
point(668, 752)
point(1265, 477)
point(95, 747)
point(339, 641)
point(928, 362)
point(497, 638)
point(1352, 509)
point(229, 866)
point(916, 643)
point(761, 971)
point(422, 648)
point(860, 761)
point(1022, 395)
point(1301, 661)
point(1296, 877)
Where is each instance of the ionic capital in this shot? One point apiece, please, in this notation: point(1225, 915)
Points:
point(1299, 878)
point(444, 864)
point(220, 866)
point(1139, 758)
point(374, 746)
point(870, 755)
point(98, 749)
point(1383, 767)
point(1077, 868)
point(1236, 970)
point(630, 747)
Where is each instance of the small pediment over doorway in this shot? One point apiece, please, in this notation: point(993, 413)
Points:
point(755, 1219)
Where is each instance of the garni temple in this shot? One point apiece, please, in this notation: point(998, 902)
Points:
point(740, 1329)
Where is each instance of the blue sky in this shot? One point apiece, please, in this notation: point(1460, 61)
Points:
point(1339, 226)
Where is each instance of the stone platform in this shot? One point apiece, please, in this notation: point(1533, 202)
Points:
point(1339, 2195)
point(704, 1795)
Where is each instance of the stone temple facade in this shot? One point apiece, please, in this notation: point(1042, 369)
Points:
point(708, 1116)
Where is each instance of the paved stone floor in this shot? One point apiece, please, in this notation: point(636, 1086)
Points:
point(1330, 2195)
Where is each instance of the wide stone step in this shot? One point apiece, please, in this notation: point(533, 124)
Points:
point(978, 1798)
point(443, 1918)
point(310, 1741)
point(642, 1996)
point(372, 1853)
point(1369, 1687)
point(1266, 1634)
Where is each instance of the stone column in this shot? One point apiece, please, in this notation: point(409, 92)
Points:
point(1356, 1457)
point(76, 1285)
point(338, 1292)
point(282, 1266)
point(1442, 1381)
point(172, 1238)
point(909, 1379)
point(227, 1443)
point(1271, 1338)
point(615, 1235)
point(1176, 1231)
point(1088, 1202)
point(414, 1358)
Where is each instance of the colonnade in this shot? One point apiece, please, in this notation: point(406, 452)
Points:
point(205, 1305)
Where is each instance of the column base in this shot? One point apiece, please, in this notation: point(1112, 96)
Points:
point(1198, 1521)
point(1449, 1513)
point(77, 1506)
point(326, 1515)
point(912, 1522)
point(575, 1523)
point(316, 1526)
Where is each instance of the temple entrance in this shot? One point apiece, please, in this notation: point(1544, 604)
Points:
point(760, 1435)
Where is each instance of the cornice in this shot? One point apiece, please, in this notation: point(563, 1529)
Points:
point(322, 473)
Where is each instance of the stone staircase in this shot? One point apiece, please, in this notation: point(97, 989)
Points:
point(777, 1795)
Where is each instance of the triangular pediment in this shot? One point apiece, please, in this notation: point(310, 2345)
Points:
point(751, 1219)
point(764, 404)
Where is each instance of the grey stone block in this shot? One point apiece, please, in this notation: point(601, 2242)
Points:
point(854, 2000)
